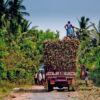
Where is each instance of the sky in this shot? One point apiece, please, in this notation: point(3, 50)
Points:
point(54, 14)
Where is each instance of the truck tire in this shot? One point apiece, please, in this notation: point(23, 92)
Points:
point(73, 88)
point(48, 86)
point(68, 88)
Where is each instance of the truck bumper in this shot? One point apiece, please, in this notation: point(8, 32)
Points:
point(59, 83)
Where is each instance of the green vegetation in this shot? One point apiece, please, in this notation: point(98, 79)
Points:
point(21, 57)
point(20, 47)
point(21, 51)
point(89, 52)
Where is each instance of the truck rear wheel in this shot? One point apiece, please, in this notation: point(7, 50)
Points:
point(48, 86)
point(68, 88)
point(73, 88)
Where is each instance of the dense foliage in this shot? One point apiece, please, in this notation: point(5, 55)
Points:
point(21, 51)
point(21, 56)
point(89, 52)
point(20, 47)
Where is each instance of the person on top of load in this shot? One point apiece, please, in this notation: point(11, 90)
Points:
point(69, 29)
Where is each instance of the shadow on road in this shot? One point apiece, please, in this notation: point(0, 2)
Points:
point(32, 91)
point(40, 89)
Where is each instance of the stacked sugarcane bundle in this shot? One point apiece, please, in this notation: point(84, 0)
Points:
point(61, 54)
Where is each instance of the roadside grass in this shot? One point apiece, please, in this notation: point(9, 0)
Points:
point(4, 91)
point(6, 87)
point(91, 92)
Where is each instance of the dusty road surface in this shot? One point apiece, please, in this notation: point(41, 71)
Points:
point(56, 94)
point(39, 93)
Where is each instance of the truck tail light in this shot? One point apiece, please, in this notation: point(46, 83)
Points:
point(52, 82)
point(69, 80)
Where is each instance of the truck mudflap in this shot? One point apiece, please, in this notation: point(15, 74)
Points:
point(48, 86)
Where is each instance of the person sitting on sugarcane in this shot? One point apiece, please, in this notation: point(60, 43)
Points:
point(69, 28)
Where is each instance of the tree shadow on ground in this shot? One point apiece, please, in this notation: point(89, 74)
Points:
point(41, 90)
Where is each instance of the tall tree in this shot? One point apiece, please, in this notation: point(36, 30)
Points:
point(17, 10)
point(11, 16)
point(3, 9)
point(3, 6)
point(83, 22)
point(96, 31)
point(99, 27)
point(25, 25)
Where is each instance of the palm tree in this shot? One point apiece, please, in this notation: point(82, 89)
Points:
point(16, 9)
point(3, 6)
point(11, 16)
point(96, 31)
point(83, 31)
point(99, 27)
point(3, 10)
point(25, 25)
point(83, 23)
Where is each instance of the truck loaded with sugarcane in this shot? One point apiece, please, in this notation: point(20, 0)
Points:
point(60, 63)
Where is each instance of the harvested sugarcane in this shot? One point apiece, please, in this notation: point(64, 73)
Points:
point(60, 58)
point(61, 53)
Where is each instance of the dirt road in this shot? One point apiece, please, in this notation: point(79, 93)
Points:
point(57, 94)
point(39, 93)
